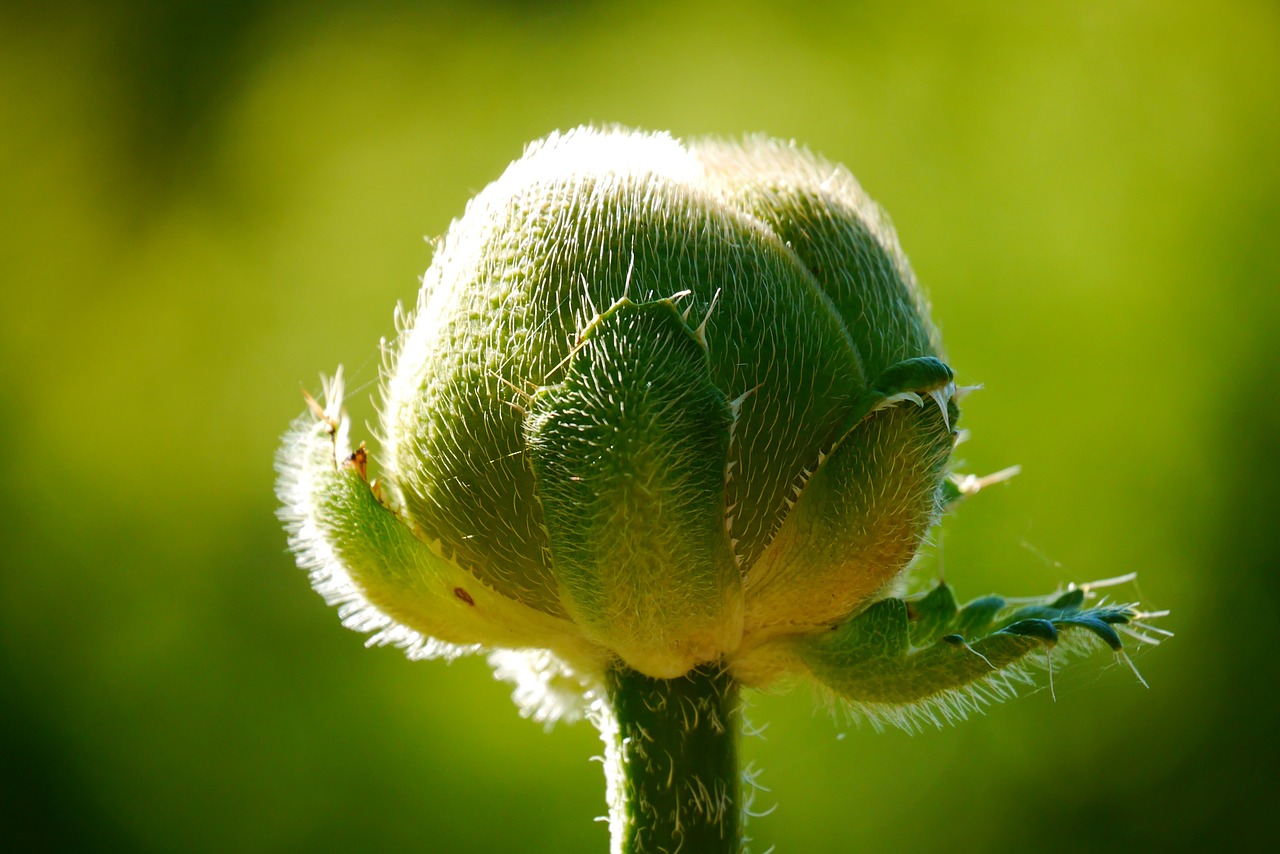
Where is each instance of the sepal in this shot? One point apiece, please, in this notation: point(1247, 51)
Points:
point(628, 453)
point(926, 659)
point(365, 558)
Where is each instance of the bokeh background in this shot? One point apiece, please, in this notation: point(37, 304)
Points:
point(203, 205)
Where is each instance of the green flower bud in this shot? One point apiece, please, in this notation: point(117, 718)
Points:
point(661, 404)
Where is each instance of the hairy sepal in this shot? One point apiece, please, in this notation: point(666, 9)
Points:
point(838, 233)
point(628, 452)
point(926, 660)
point(363, 557)
point(860, 518)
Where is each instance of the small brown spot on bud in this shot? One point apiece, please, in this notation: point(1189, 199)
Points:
point(464, 596)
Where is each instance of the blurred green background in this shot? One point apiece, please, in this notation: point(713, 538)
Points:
point(203, 205)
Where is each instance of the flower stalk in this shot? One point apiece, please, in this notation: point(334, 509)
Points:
point(671, 761)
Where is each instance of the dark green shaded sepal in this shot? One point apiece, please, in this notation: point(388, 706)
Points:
point(902, 659)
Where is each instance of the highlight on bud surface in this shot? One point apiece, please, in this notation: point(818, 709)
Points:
point(661, 407)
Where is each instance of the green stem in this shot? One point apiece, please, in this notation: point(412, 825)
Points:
point(671, 761)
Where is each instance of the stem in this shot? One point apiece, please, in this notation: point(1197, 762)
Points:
point(671, 762)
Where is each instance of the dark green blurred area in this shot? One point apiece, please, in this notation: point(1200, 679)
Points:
point(203, 204)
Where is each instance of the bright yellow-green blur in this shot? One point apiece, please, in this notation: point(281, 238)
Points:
point(200, 207)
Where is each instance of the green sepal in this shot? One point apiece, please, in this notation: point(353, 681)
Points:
point(1073, 598)
point(870, 659)
point(628, 453)
point(881, 631)
point(900, 659)
point(913, 374)
point(1066, 611)
point(908, 380)
point(860, 517)
point(366, 558)
point(1042, 629)
point(977, 616)
point(840, 236)
point(932, 614)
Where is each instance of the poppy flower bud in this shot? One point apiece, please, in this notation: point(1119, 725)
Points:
point(659, 405)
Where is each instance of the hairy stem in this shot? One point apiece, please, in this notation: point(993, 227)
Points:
point(671, 760)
